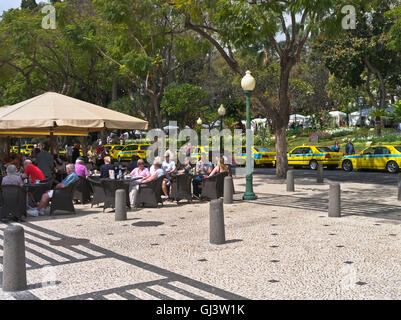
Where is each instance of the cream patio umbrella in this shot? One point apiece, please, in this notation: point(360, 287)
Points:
point(56, 114)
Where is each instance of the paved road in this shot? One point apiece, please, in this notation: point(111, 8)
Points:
point(372, 177)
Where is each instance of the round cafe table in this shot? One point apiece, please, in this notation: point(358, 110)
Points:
point(37, 189)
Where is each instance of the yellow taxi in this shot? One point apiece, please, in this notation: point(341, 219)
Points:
point(380, 157)
point(114, 149)
point(196, 152)
point(129, 150)
point(14, 149)
point(260, 155)
point(312, 156)
point(26, 149)
point(62, 152)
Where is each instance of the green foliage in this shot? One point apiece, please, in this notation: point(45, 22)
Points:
point(361, 57)
point(263, 137)
point(28, 4)
point(124, 105)
point(183, 102)
point(395, 31)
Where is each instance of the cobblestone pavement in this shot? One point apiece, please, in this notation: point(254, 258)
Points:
point(281, 246)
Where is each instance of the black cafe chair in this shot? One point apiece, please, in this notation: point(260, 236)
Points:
point(63, 199)
point(213, 187)
point(150, 193)
point(181, 187)
point(98, 191)
point(13, 199)
point(82, 191)
point(110, 186)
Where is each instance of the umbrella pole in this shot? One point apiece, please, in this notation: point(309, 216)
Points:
point(8, 147)
point(51, 142)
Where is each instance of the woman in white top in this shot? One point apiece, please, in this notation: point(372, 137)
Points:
point(157, 173)
point(221, 167)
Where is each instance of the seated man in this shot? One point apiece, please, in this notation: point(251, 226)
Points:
point(32, 172)
point(133, 164)
point(169, 167)
point(12, 178)
point(152, 167)
point(104, 168)
point(203, 167)
point(158, 172)
point(80, 168)
point(70, 179)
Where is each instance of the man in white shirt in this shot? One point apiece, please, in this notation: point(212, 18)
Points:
point(169, 167)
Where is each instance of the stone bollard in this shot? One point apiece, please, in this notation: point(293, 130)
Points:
point(399, 187)
point(228, 190)
point(290, 181)
point(121, 205)
point(14, 267)
point(319, 173)
point(217, 233)
point(335, 200)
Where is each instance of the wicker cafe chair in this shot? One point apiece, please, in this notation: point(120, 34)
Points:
point(98, 191)
point(62, 199)
point(13, 202)
point(110, 186)
point(213, 187)
point(150, 194)
point(82, 192)
point(181, 187)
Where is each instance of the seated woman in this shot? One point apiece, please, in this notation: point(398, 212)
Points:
point(158, 172)
point(140, 171)
point(221, 167)
point(186, 167)
point(12, 178)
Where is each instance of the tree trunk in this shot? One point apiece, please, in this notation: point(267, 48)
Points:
point(281, 151)
point(155, 104)
point(378, 126)
point(282, 121)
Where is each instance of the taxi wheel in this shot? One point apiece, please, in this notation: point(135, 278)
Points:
point(313, 164)
point(392, 167)
point(347, 166)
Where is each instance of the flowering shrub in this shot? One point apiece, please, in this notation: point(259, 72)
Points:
point(339, 132)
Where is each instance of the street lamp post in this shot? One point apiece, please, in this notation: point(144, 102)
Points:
point(222, 112)
point(248, 85)
point(199, 122)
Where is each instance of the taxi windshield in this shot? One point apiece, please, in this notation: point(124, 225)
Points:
point(262, 149)
point(324, 149)
point(398, 148)
point(118, 147)
point(145, 147)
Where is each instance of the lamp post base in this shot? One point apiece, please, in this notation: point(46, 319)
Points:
point(249, 194)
